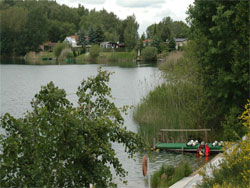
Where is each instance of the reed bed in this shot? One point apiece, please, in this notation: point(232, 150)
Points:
point(174, 104)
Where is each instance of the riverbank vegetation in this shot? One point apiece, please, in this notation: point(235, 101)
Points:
point(234, 171)
point(61, 145)
point(122, 59)
point(168, 175)
point(209, 84)
point(177, 103)
point(149, 54)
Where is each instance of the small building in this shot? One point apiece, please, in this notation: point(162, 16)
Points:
point(179, 42)
point(147, 42)
point(121, 45)
point(72, 41)
point(48, 46)
point(109, 45)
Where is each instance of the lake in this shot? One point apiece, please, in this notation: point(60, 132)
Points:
point(19, 84)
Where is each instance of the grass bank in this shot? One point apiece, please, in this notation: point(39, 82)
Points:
point(121, 59)
point(48, 58)
point(177, 103)
point(41, 58)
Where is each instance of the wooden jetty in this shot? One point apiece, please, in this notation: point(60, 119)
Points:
point(167, 142)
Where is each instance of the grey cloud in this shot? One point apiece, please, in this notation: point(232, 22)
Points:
point(165, 13)
point(139, 3)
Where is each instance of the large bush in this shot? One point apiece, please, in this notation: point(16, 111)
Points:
point(58, 48)
point(149, 54)
point(94, 52)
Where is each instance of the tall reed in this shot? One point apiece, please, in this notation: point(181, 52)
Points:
point(174, 104)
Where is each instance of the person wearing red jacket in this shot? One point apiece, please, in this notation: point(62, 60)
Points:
point(203, 150)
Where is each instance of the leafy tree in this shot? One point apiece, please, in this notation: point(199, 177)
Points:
point(143, 37)
point(92, 35)
point(36, 30)
point(111, 36)
point(167, 28)
point(130, 32)
point(13, 22)
point(99, 34)
point(180, 29)
point(171, 44)
point(149, 54)
point(59, 145)
point(221, 31)
point(156, 43)
point(81, 37)
point(58, 49)
point(94, 52)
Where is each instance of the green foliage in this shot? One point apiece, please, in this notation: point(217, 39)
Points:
point(81, 38)
point(149, 54)
point(92, 35)
point(36, 29)
point(171, 44)
point(61, 145)
point(234, 171)
point(168, 175)
point(166, 28)
point(156, 43)
point(58, 48)
point(220, 30)
point(121, 59)
point(94, 52)
point(232, 126)
point(177, 103)
point(83, 50)
point(99, 34)
point(130, 32)
point(13, 23)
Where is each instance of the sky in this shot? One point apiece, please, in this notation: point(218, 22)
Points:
point(147, 12)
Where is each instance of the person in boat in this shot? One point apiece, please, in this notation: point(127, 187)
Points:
point(203, 150)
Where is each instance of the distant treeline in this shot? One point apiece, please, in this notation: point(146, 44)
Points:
point(27, 24)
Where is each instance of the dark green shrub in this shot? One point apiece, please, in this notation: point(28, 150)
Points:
point(149, 54)
point(94, 52)
point(83, 49)
point(171, 44)
point(58, 48)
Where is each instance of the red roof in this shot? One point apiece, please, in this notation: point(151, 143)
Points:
point(74, 37)
point(147, 40)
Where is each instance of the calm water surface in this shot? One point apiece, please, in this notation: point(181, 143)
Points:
point(19, 84)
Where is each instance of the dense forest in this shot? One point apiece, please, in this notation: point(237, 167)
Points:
point(27, 24)
point(220, 32)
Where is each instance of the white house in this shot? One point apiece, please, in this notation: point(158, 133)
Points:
point(71, 41)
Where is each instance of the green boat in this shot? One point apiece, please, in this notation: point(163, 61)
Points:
point(184, 148)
